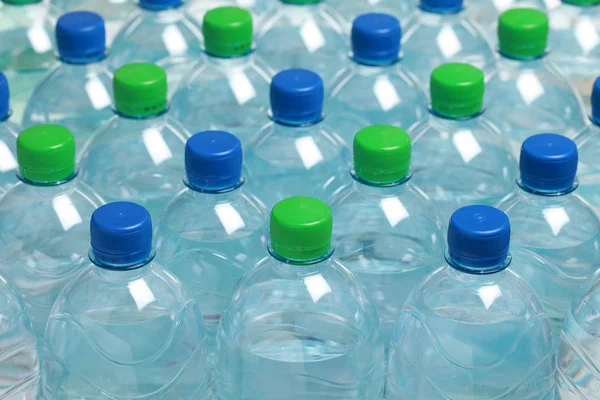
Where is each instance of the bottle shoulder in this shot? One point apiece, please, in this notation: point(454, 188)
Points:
point(291, 17)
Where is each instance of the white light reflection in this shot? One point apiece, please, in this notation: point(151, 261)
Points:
point(317, 287)
point(66, 212)
point(386, 93)
point(8, 161)
point(586, 34)
point(230, 219)
point(502, 5)
point(394, 210)
point(156, 146)
point(39, 40)
point(97, 93)
point(448, 42)
point(174, 41)
point(308, 151)
point(141, 293)
point(467, 145)
point(241, 86)
point(311, 36)
point(246, 3)
point(529, 87)
point(556, 218)
point(489, 294)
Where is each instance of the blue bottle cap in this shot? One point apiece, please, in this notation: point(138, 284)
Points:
point(159, 4)
point(548, 163)
point(121, 234)
point(596, 102)
point(478, 239)
point(81, 36)
point(376, 39)
point(441, 6)
point(4, 97)
point(213, 160)
point(297, 97)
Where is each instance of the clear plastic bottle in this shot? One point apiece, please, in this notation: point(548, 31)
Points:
point(300, 150)
point(139, 154)
point(300, 326)
point(229, 88)
point(350, 9)
point(527, 94)
point(473, 329)
point(459, 157)
point(161, 31)
point(441, 32)
point(125, 327)
point(215, 230)
point(44, 236)
point(306, 34)
point(373, 83)
point(258, 8)
point(77, 93)
point(549, 218)
point(385, 229)
point(8, 139)
point(26, 48)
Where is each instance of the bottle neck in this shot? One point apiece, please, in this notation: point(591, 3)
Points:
point(194, 186)
point(92, 59)
point(140, 117)
point(465, 117)
point(556, 191)
point(521, 59)
point(379, 185)
point(61, 182)
point(477, 266)
point(166, 5)
point(124, 264)
point(304, 262)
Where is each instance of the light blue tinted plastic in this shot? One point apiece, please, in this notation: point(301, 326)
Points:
point(304, 36)
point(588, 172)
point(487, 12)
point(429, 40)
point(284, 161)
point(139, 160)
point(300, 332)
point(527, 97)
point(21, 374)
point(461, 162)
point(126, 334)
point(26, 49)
point(8, 155)
point(258, 8)
point(465, 336)
point(380, 95)
point(565, 231)
point(209, 241)
point(578, 352)
point(44, 241)
point(350, 9)
point(390, 237)
point(230, 94)
point(76, 96)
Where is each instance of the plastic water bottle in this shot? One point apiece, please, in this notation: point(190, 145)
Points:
point(77, 94)
point(258, 8)
point(459, 158)
point(44, 236)
point(374, 84)
point(473, 329)
point(215, 230)
point(527, 94)
point(350, 9)
point(299, 151)
point(300, 326)
point(550, 219)
point(304, 34)
point(229, 89)
point(139, 154)
point(441, 32)
point(385, 229)
point(161, 31)
point(8, 139)
point(125, 327)
point(26, 48)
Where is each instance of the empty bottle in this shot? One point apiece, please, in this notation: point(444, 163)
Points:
point(258, 8)
point(441, 32)
point(229, 89)
point(459, 157)
point(550, 219)
point(8, 139)
point(374, 84)
point(77, 94)
point(473, 329)
point(125, 327)
point(215, 230)
point(44, 237)
point(350, 9)
point(299, 151)
point(527, 94)
point(304, 34)
point(139, 153)
point(300, 326)
point(385, 229)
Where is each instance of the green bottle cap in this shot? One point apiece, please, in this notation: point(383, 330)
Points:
point(523, 32)
point(382, 154)
point(457, 90)
point(227, 31)
point(301, 228)
point(582, 3)
point(46, 153)
point(140, 89)
point(21, 2)
point(301, 2)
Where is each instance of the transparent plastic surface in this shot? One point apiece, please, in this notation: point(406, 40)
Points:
point(463, 336)
point(588, 169)
point(76, 96)
point(350, 9)
point(230, 94)
point(8, 154)
point(209, 240)
point(44, 241)
point(258, 8)
point(390, 237)
point(300, 332)
point(461, 162)
point(139, 160)
point(304, 36)
point(431, 39)
point(123, 334)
